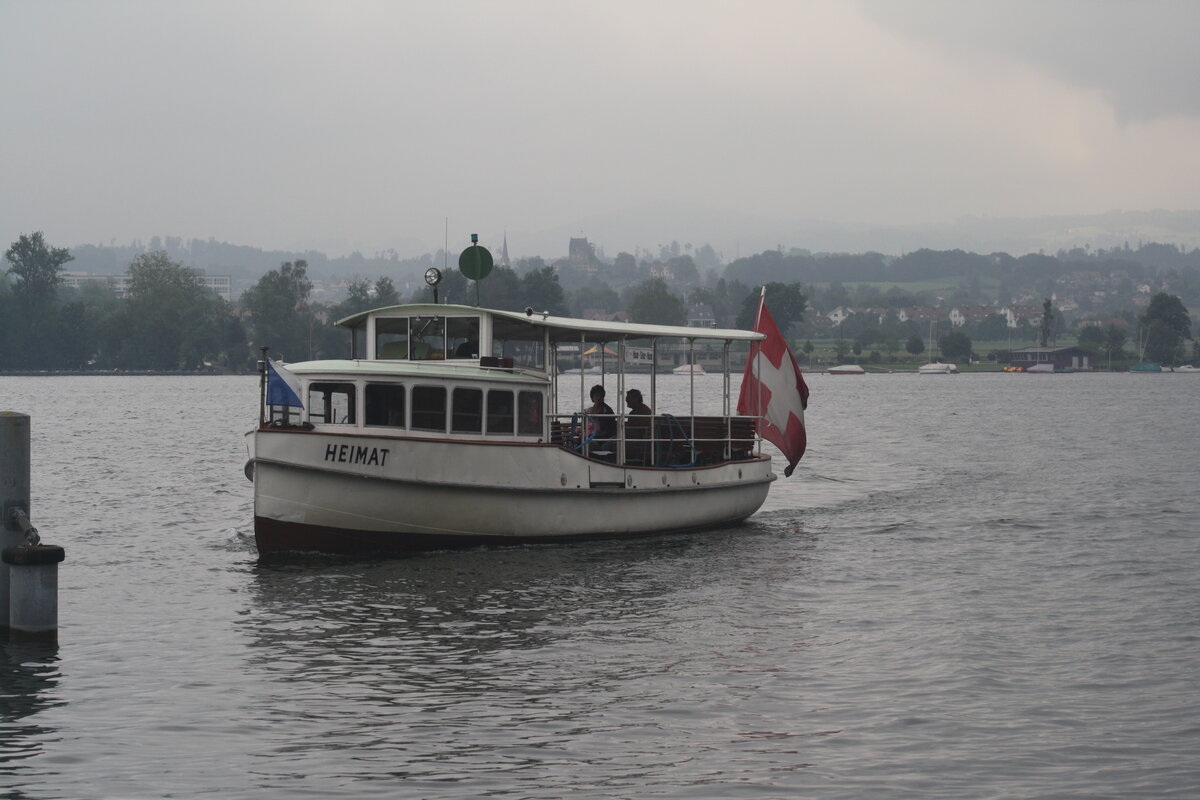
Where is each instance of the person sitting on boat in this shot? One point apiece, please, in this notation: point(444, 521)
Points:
point(637, 428)
point(602, 424)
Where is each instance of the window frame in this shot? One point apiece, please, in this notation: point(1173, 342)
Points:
point(327, 390)
point(512, 411)
point(456, 414)
point(387, 406)
point(421, 388)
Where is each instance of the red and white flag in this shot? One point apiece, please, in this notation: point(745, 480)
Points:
point(773, 390)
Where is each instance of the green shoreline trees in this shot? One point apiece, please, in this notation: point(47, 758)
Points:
point(1165, 325)
point(169, 321)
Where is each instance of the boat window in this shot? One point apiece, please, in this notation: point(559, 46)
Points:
point(429, 408)
point(284, 415)
point(428, 338)
point(331, 403)
point(385, 404)
point(391, 338)
point(522, 342)
point(468, 405)
point(499, 411)
point(531, 413)
point(462, 336)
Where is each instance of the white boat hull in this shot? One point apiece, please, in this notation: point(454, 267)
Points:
point(356, 494)
point(938, 369)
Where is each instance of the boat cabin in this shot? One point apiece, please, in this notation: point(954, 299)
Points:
point(470, 374)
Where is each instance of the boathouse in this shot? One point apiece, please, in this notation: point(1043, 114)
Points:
point(1062, 358)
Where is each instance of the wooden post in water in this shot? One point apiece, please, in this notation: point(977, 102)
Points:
point(29, 569)
point(14, 491)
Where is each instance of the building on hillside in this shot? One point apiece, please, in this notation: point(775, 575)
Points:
point(839, 315)
point(221, 284)
point(1118, 322)
point(604, 315)
point(504, 261)
point(700, 315)
point(662, 270)
point(970, 315)
point(581, 261)
point(920, 314)
point(1061, 358)
point(1016, 316)
point(579, 251)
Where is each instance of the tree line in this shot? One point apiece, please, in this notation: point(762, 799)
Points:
point(170, 321)
point(1147, 260)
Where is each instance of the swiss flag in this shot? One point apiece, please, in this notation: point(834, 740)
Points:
point(773, 379)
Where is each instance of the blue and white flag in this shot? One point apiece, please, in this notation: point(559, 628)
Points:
point(283, 388)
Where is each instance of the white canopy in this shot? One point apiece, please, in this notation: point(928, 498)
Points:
point(564, 329)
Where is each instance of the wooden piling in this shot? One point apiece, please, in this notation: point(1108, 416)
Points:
point(14, 492)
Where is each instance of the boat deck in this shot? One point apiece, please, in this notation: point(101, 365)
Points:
point(676, 441)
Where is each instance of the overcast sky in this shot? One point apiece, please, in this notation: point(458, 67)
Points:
point(339, 125)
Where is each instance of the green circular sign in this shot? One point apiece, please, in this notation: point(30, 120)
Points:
point(475, 262)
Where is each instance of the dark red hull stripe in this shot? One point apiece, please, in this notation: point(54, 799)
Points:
point(275, 538)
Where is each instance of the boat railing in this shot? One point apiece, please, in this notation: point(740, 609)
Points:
point(670, 441)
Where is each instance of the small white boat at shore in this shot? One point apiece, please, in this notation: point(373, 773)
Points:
point(416, 442)
point(937, 368)
point(847, 369)
point(689, 369)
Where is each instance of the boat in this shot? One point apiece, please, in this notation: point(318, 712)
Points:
point(1188, 369)
point(847, 369)
point(937, 368)
point(689, 369)
point(1146, 367)
point(1041, 369)
point(405, 445)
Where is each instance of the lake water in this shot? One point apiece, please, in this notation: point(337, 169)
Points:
point(982, 586)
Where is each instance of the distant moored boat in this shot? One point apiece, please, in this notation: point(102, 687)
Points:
point(937, 368)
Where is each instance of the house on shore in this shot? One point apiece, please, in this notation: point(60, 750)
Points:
point(1061, 358)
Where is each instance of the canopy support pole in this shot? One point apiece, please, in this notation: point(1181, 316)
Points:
point(692, 386)
point(725, 410)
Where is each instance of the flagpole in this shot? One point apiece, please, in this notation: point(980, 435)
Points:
point(262, 388)
point(757, 349)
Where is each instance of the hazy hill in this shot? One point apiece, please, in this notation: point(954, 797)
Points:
point(731, 234)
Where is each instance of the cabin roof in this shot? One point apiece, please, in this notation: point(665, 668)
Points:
point(419, 369)
point(1033, 350)
point(564, 329)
